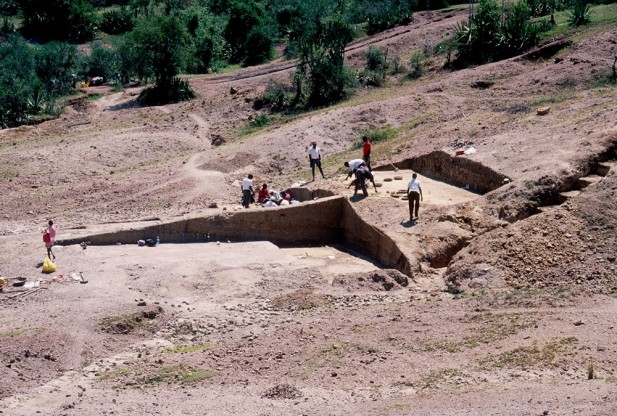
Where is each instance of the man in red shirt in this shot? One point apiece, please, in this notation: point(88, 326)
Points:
point(366, 152)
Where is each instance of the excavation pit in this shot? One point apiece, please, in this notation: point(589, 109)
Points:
point(329, 221)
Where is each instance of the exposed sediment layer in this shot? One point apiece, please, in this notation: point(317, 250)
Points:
point(326, 221)
point(459, 171)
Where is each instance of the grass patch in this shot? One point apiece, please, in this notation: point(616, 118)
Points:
point(94, 97)
point(258, 123)
point(434, 377)
point(178, 374)
point(533, 355)
point(181, 349)
point(377, 135)
point(114, 374)
point(611, 379)
point(12, 333)
point(602, 16)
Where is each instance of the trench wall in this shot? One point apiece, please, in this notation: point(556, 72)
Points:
point(326, 221)
point(459, 171)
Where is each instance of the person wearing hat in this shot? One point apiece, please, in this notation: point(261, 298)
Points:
point(315, 158)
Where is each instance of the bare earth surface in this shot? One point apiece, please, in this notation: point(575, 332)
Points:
point(509, 308)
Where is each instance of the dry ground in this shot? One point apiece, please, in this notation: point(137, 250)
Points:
point(509, 310)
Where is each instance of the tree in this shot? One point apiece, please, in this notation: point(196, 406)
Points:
point(160, 44)
point(61, 20)
point(243, 18)
point(17, 80)
point(55, 65)
point(320, 36)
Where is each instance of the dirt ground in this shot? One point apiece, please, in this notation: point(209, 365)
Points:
point(509, 309)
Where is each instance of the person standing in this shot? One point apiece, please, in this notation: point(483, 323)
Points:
point(366, 152)
point(315, 159)
point(49, 238)
point(414, 194)
point(247, 190)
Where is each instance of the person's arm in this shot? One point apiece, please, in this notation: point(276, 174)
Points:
point(420, 189)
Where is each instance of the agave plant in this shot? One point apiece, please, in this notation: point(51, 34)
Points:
point(36, 101)
point(580, 14)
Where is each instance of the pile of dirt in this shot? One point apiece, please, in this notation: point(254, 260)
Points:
point(376, 280)
point(282, 391)
point(300, 299)
point(143, 321)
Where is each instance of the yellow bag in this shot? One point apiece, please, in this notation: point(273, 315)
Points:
point(48, 266)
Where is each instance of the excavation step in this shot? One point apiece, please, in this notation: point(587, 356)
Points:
point(570, 194)
point(586, 181)
point(605, 167)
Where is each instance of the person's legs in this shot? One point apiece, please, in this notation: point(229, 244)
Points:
point(50, 253)
point(367, 162)
point(414, 204)
point(319, 166)
point(370, 176)
point(410, 206)
point(246, 198)
point(313, 168)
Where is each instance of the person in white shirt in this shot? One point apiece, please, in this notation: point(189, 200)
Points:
point(353, 165)
point(247, 190)
point(315, 158)
point(414, 194)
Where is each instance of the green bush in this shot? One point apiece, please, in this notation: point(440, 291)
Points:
point(387, 14)
point(376, 67)
point(59, 20)
point(260, 120)
point(175, 91)
point(277, 97)
point(491, 38)
point(580, 13)
point(259, 46)
point(17, 80)
point(117, 21)
point(102, 62)
point(9, 7)
point(417, 61)
point(56, 63)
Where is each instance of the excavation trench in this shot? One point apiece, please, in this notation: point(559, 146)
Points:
point(458, 171)
point(331, 220)
point(556, 191)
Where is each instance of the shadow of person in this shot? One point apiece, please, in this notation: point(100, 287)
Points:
point(408, 223)
point(356, 198)
point(39, 265)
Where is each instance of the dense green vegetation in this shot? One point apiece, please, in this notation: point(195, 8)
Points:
point(155, 40)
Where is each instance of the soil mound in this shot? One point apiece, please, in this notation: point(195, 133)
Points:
point(282, 391)
point(300, 299)
point(376, 280)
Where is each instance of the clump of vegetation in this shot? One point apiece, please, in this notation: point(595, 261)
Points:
point(580, 13)
point(277, 97)
point(376, 67)
point(177, 374)
point(377, 135)
point(488, 37)
point(417, 62)
point(116, 21)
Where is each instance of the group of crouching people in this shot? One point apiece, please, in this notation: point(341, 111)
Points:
point(266, 197)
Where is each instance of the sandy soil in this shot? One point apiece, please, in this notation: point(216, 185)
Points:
point(509, 308)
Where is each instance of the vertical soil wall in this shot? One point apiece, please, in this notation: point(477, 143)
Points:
point(326, 221)
point(459, 171)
